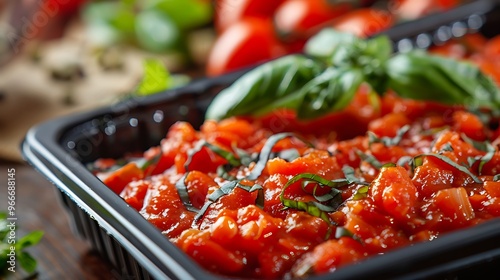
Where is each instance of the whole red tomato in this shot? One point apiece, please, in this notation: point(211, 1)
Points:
point(228, 12)
point(297, 20)
point(364, 22)
point(411, 9)
point(66, 7)
point(244, 43)
point(299, 16)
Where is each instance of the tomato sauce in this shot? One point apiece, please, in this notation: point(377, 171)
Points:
point(398, 172)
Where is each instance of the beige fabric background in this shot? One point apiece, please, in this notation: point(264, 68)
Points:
point(31, 96)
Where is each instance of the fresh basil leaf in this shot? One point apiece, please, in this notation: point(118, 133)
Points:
point(331, 91)
point(265, 87)
point(422, 76)
point(325, 43)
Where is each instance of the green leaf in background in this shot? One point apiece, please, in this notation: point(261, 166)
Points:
point(156, 31)
point(185, 14)
point(156, 78)
point(109, 22)
point(272, 85)
point(29, 239)
point(25, 260)
point(422, 76)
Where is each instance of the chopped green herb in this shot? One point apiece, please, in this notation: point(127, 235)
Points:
point(481, 146)
point(227, 188)
point(183, 193)
point(417, 161)
point(369, 158)
point(25, 260)
point(266, 153)
point(232, 160)
point(314, 208)
point(350, 175)
point(388, 141)
point(361, 193)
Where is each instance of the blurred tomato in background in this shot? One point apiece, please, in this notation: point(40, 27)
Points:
point(242, 41)
point(237, 33)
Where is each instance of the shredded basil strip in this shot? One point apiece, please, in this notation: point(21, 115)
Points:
point(481, 146)
point(288, 154)
point(350, 175)
point(223, 172)
point(232, 160)
point(446, 148)
point(388, 141)
point(266, 153)
point(361, 193)
point(369, 158)
point(144, 164)
point(404, 160)
point(417, 161)
point(496, 178)
point(183, 193)
point(227, 188)
point(312, 207)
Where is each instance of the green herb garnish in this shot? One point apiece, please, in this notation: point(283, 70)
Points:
point(481, 146)
point(7, 246)
point(334, 197)
point(232, 160)
point(326, 78)
point(350, 175)
point(388, 141)
point(183, 193)
point(417, 161)
point(266, 153)
point(228, 188)
point(369, 158)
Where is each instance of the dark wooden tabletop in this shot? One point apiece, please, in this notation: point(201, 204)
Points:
point(61, 254)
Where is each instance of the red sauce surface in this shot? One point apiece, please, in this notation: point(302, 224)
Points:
point(401, 206)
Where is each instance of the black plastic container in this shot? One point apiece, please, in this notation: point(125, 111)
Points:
point(61, 148)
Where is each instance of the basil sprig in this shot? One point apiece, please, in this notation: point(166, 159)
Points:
point(326, 77)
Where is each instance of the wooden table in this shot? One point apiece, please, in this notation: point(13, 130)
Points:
point(60, 254)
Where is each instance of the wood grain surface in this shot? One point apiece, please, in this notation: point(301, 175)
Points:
point(61, 254)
